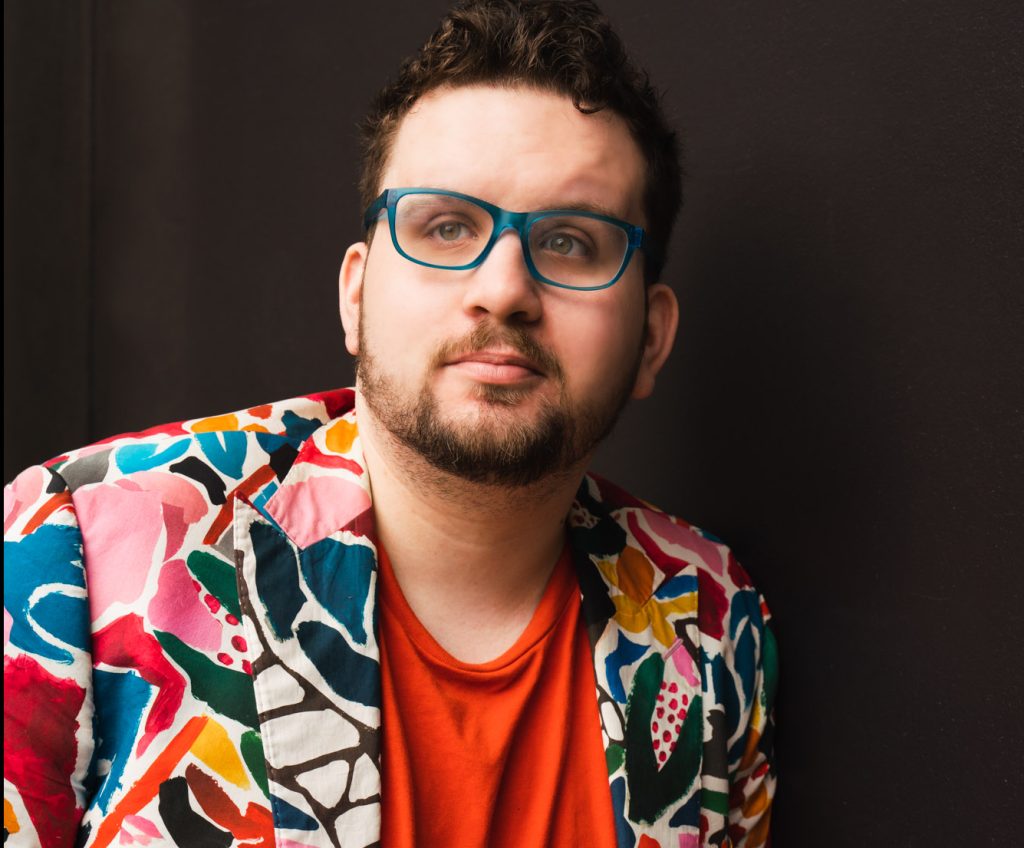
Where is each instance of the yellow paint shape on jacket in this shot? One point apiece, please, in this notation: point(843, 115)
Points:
point(213, 747)
point(340, 436)
point(216, 423)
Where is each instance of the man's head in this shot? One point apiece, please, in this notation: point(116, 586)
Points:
point(567, 47)
point(488, 372)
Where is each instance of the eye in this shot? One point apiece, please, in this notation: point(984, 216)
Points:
point(564, 244)
point(451, 231)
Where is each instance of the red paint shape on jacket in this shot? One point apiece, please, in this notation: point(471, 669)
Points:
point(261, 411)
point(257, 823)
point(713, 605)
point(125, 644)
point(311, 454)
point(40, 748)
point(255, 481)
point(337, 402)
point(667, 563)
point(50, 506)
point(737, 574)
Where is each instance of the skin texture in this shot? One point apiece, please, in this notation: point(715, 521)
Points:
point(457, 339)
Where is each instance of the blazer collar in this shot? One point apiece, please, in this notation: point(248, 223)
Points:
point(326, 488)
point(621, 552)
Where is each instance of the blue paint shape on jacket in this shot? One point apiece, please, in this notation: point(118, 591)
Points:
point(51, 555)
point(350, 674)
point(225, 450)
point(625, 652)
point(288, 816)
point(122, 698)
point(339, 577)
point(277, 578)
point(676, 587)
point(145, 457)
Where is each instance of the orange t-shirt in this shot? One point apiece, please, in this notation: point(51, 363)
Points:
point(496, 754)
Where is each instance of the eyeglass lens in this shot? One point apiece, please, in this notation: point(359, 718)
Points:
point(573, 250)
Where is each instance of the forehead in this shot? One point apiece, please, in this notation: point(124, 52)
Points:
point(519, 147)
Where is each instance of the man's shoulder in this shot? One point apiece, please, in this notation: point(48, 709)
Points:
point(221, 441)
point(182, 475)
point(676, 552)
point(635, 514)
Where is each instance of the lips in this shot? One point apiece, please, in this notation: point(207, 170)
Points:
point(498, 355)
point(497, 358)
point(495, 367)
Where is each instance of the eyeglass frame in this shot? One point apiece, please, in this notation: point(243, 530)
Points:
point(504, 220)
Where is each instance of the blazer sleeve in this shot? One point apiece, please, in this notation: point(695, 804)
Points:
point(752, 758)
point(48, 703)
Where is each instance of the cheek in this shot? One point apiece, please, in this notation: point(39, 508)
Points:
point(598, 341)
point(399, 286)
point(387, 305)
point(401, 315)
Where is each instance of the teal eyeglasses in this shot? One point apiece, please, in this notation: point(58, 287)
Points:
point(572, 249)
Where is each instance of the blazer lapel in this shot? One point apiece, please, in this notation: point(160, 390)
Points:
point(307, 570)
point(639, 598)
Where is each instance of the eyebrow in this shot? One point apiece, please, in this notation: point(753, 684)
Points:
point(582, 206)
point(572, 206)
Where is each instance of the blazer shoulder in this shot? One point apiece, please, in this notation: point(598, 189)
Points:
point(222, 441)
point(670, 542)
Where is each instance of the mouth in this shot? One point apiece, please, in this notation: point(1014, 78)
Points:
point(496, 366)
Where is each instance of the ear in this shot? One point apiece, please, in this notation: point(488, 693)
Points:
point(350, 293)
point(662, 322)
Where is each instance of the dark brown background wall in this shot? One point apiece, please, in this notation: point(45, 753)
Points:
point(845, 403)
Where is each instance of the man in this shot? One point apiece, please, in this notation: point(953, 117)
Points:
point(216, 637)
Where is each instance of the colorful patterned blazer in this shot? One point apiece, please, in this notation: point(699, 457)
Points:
point(191, 656)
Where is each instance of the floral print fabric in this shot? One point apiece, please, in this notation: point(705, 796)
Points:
point(191, 657)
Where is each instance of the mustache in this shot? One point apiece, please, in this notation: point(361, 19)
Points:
point(487, 334)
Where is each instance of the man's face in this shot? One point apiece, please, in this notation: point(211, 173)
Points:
point(489, 373)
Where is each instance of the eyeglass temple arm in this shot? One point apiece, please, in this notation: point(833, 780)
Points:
point(373, 211)
point(639, 239)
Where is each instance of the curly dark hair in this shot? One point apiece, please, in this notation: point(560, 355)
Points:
point(565, 46)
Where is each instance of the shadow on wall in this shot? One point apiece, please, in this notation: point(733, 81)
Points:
point(797, 452)
point(786, 438)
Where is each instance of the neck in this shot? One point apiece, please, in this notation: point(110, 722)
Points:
point(471, 559)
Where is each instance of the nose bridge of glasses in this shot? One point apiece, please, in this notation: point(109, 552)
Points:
point(518, 222)
point(504, 220)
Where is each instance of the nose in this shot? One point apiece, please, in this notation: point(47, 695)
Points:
point(502, 285)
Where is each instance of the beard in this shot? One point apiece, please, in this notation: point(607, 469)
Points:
point(494, 447)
